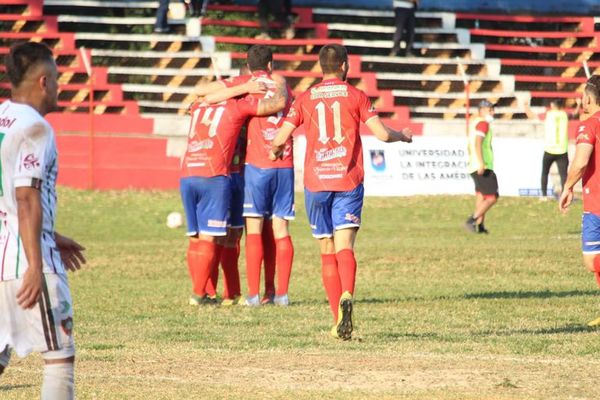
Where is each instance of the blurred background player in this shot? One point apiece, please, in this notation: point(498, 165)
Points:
point(331, 112)
point(585, 166)
point(481, 166)
point(556, 141)
point(404, 19)
point(36, 312)
point(205, 184)
point(268, 186)
point(281, 12)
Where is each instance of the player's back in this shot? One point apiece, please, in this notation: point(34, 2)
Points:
point(262, 130)
point(213, 134)
point(331, 113)
point(28, 158)
point(589, 132)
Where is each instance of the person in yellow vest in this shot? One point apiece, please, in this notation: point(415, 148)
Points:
point(556, 142)
point(481, 166)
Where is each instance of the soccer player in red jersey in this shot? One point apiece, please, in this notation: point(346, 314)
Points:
point(331, 113)
point(205, 183)
point(268, 188)
point(584, 166)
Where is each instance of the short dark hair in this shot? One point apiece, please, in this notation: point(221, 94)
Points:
point(22, 57)
point(331, 58)
point(592, 87)
point(259, 57)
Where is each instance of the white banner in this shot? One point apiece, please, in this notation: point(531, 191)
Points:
point(438, 165)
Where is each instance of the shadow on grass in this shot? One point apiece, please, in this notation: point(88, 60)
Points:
point(8, 388)
point(571, 328)
point(543, 294)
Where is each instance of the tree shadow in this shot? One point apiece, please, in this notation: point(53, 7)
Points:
point(8, 388)
point(542, 294)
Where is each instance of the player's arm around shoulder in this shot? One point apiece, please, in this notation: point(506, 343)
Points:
point(276, 103)
point(252, 86)
point(387, 134)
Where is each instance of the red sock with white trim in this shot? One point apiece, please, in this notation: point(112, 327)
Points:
point(254, 260)
point(285, 258)
point(270, 257)
point(331, 282)
point(346, 269)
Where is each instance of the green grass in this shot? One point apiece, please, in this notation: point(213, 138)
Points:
point(440, 313)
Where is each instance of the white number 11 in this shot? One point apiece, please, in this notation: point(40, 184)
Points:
point(337, 123)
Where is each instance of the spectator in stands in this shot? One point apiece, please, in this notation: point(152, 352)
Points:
point(162, 24)
point(404, 11)
point(556, 141)
point(281, 11)
point(196, 8)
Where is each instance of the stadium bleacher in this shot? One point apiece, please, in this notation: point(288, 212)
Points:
point(147, 79)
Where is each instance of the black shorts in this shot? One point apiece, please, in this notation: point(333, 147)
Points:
point(486, 184)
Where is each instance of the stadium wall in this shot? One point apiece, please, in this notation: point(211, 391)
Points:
point(580, 7)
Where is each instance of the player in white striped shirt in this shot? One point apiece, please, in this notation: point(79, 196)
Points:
point(36, 313)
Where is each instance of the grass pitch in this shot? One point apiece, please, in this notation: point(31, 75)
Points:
point(440, 313)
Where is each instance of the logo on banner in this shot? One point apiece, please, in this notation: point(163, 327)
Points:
point(378, 160)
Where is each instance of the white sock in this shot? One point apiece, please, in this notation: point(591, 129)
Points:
point(59, 382)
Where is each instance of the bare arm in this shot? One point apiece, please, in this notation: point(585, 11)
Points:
point(276, 103)
point(29, 210)
point(387, 134)
point(206, 88)
point(479, 154)
point(282, 137)
point(583, 152)
point(250, 87)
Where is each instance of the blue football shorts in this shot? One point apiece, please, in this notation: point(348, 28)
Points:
point(330, 211)
point(206, 203)
point(269, 192)
point(590, 233)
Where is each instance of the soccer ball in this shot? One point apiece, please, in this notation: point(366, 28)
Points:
point(174, 220)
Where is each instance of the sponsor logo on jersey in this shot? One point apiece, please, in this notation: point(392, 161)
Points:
point(31, 161)
point(198, 145)
point(326, 155)
point(327, 92)
point(215, 223)
point(583, 136)
point(6, 122)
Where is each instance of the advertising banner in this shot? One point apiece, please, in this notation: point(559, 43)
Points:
point(438, 165)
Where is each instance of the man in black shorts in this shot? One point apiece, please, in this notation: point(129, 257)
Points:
point(481, 166)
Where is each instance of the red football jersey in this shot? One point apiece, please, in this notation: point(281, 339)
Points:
point(213, 135)
point(262, 130)
point(331, 112)
point(589, 132)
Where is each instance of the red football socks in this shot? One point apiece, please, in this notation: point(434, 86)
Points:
point(254, 259)
point(269, 258)
point(285, 257)
point(347, 269)
point(192, 257)
point(231, 274)
point(331, 282)
point(213, 279)
point(202, 260)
